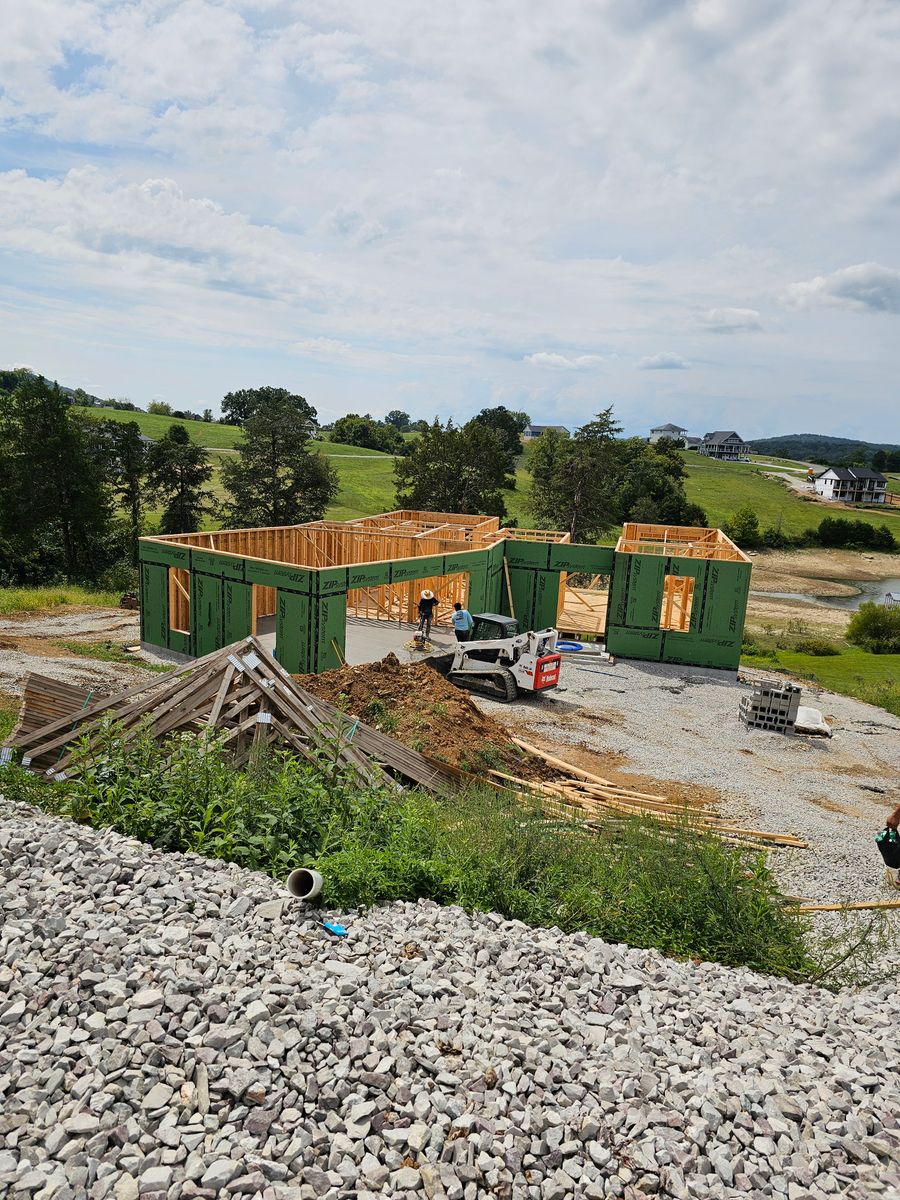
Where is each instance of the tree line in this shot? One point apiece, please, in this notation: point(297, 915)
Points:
point(75, 488)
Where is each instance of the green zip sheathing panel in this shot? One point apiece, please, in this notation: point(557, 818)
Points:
point(311, 605)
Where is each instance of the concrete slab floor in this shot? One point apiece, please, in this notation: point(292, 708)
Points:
point(368, 640)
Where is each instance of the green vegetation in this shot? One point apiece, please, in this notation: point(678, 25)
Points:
point(107, 651)
point(9, 712)
point(685, 894)
point(875, 628)
point(365, 486)
point(37, 599)
point(874, 678)
point(151, 425)
point(451, 469)
point(832, 451)
point(721, 488)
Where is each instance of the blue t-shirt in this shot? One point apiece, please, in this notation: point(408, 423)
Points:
point(462, 619)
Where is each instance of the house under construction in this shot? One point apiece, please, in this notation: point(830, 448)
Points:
point(664, 593)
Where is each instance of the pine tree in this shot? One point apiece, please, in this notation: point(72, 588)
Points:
point(55, 507)
point(275, 479)
point(178, 471)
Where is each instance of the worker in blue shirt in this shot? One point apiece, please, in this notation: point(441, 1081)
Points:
point(462, 622)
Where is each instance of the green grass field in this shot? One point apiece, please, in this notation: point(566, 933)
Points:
point(35, 599)
point(205, 433)
point(874, 678)
point(722, 488)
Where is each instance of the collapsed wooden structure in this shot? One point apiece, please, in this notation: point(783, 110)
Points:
point(247, 700)
point(665, 593)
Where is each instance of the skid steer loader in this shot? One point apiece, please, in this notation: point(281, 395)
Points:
point(499, 661)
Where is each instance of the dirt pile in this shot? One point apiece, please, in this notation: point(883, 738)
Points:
point(412, 702)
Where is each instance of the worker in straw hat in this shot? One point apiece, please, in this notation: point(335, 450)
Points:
point(427, 604)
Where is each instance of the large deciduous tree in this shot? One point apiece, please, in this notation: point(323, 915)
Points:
point(178, 471)
point(368, 433)
point(508, 426)
point(454, 470)
point(238, 407)
point(275, 479)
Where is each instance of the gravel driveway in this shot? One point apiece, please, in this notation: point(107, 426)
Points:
point(681, 723)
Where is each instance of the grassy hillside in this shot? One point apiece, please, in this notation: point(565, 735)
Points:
point(206, 433)
point(721, 488)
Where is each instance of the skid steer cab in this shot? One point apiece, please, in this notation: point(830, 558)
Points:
point(498, 661)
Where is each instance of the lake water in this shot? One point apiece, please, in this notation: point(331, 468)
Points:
point(868, 590)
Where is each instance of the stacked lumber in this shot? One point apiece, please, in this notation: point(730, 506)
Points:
point(244, 696)
point(590, 796)
point(241, 692)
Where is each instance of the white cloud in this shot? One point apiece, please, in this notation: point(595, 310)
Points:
point(378, 177)
point(560, 362)
point(732, 320)
point(866, 287)
point(664, 362)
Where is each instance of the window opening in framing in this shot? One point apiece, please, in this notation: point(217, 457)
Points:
point(678, 600)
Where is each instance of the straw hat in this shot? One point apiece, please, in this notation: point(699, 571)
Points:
point(427, 594)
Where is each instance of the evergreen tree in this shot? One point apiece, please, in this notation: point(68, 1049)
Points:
point(275, 479)
point(127, 463)
point(454, 470)
point(54, 504)
point(575, 479)
point(178, 471)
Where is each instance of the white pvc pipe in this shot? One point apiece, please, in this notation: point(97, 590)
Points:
point(304, 883)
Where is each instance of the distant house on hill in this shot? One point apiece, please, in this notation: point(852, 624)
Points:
point(691, 443)
point(724, 444)
point(852, 485)
point(675, 432)
point(535, 431)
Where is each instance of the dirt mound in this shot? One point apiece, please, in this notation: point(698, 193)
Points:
point(416, 705)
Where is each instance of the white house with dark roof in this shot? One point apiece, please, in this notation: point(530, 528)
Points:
point(724, 444)
point(675, 432)
point(852, 485)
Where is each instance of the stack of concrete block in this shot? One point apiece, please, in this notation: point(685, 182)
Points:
point(771, 705)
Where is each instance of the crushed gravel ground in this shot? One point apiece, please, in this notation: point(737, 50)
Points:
point(681, 723)
point(172, 1027)
point(28, 643)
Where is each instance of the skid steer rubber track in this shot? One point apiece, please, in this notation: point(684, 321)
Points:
point(497, 684)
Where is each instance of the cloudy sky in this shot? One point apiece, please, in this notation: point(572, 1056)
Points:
point(684, 209)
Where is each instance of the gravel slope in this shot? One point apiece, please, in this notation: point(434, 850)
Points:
point(681, 723)
point(171, 1028)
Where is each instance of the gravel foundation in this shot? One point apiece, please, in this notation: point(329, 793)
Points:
point(172, 1027)
point(681, 723)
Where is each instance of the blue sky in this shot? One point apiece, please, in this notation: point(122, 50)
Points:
point(686, 210)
